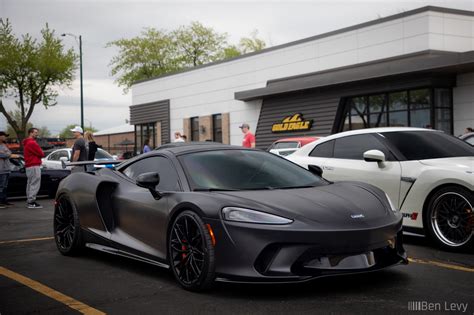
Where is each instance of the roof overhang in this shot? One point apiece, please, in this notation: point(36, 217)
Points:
point(422, 62)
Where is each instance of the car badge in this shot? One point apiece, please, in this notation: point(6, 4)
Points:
point(357, 216)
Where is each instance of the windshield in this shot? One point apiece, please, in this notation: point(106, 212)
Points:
point(422, 145)
point(244, 170)
point(102, 154)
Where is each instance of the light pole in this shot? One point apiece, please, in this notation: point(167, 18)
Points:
point(80, 71)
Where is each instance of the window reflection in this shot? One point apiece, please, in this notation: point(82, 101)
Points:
point(410, 108)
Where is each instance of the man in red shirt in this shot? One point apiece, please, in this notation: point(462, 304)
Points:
point(249, 138)
point(32, 154)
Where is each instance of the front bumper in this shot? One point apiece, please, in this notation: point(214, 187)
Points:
point(265, 253)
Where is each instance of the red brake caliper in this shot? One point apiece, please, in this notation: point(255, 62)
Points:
point(183, 248)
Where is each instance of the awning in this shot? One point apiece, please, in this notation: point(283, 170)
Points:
point(426, 61)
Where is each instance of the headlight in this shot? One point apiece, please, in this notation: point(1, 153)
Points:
point(252, 216)
point(392, 206)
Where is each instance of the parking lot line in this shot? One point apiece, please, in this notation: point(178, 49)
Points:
point(58, 296)
point(27, 240)
point(440, 264)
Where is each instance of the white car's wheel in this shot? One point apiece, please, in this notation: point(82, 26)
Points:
point(450, 218)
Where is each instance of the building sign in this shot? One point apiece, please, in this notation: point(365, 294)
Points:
point(295, 122)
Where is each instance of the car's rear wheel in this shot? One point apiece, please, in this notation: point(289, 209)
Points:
point(191, 252)
point(450, 218)
point(67, 231)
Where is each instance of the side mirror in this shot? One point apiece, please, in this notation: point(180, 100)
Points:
point(316, 170)
point(63, 158)
point(150, 181)
point(374, 156)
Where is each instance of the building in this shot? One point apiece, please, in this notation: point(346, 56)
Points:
point(116, 140)
point(415, 68)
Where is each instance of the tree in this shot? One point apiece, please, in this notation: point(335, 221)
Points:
point(197, 44)
point(142, 57)
point(31, 71)
point(67, 133)
point(16, 116)
point(43, 132)
point(252, 43)
point(157, 52)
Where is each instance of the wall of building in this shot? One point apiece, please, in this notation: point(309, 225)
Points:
point(210, 90)
point(463, 101)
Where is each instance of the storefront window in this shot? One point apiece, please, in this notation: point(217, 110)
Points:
point(145, 132)
point(195, 129)
point(217, 128)
point(415, 108)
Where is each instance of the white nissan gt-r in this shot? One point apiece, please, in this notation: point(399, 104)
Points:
point(427, 174)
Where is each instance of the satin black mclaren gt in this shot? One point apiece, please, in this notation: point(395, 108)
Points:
point(212, 212)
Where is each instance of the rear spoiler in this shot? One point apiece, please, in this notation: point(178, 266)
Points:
point(85, 163)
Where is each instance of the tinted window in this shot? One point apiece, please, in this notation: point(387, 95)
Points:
point(353, 147)
point(421, 145)
point(244, 170)
point(164, 167)
point(323, 150)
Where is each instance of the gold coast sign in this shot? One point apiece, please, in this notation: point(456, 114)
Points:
point(292, 123)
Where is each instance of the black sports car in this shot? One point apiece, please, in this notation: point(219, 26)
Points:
point(215, 212)
point(17, 181)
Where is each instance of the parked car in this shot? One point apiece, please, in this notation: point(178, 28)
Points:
point(429, 176)
point(287, 146)
point(53, 160)
point(50, 180)
point(468, 137)
point(215, 212)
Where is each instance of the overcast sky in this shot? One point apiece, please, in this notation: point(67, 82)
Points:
point(102, 21)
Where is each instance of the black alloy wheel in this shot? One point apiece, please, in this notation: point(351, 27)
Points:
point(67, 232)
point(451, 218)
point(191, 252)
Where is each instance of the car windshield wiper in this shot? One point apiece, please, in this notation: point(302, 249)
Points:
point(214, 189)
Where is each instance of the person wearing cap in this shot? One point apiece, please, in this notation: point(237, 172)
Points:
point(249, 138)
point(79, 150)
point(32, 154)
point(5, 155)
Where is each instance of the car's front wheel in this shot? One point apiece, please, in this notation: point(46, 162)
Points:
point(450, 218)
point(67, 230)
point(191, 252)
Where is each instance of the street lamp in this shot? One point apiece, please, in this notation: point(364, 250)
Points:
point(80, 65)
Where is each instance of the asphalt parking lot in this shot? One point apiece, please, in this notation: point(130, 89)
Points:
point(35, 278)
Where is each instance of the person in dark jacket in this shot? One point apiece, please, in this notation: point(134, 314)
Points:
point(32, 154)
point(5, 155)
point(92, 146)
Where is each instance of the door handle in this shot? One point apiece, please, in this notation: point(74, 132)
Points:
point(328, 168)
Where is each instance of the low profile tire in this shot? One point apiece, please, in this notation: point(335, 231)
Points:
point(450, 218)
point(67, 230)
point(191, 253)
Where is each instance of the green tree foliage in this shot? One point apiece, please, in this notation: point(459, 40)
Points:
point(156, 52)
point(252, 43)
point(146, 56)
point(31, 71)
point(43, 132)
point(67, 133)
point(16, 116)
point(197, 45)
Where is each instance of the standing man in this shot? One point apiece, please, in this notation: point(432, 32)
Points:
point(79, 150)
point(32, 154)
point(249, 138)
point(5, 155)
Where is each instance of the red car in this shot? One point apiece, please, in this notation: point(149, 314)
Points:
point(287, 146)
